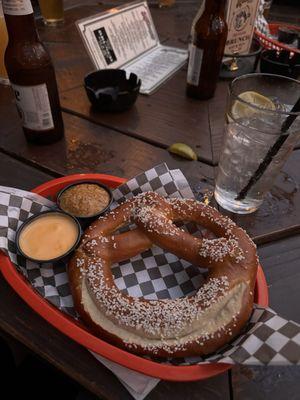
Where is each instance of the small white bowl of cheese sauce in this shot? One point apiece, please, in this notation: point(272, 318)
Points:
point(48, 236)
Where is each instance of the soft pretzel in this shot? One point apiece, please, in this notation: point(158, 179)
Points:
point(196, 325)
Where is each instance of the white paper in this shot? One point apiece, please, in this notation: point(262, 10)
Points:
point(34, 106)
point(119, 35)
point(156, 66)
point(195, 64)
point(137, 384)
point(17, 7)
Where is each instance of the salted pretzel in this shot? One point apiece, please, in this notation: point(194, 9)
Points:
point(188, 326)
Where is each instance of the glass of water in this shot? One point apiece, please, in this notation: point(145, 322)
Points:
point(258, 108)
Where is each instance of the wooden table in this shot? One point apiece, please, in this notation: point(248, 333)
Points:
point(124, 145)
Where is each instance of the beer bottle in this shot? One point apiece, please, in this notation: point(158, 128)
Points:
point(209, 33)
point(32, 75)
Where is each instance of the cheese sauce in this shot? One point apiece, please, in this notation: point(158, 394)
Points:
point(48, 236)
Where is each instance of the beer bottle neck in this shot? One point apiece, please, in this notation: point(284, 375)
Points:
point(21, 28)
point(215, 7)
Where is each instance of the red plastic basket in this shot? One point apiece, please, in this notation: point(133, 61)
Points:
point(81, 334)
point(273, 44)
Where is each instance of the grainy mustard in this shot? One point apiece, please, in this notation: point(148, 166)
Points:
point(84, 200)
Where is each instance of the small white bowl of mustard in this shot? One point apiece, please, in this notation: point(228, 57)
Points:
point(48, 236)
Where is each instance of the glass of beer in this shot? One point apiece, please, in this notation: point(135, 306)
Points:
point(52, 11)
point(3, 43)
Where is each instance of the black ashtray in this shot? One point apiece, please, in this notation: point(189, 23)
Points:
point(110, 90)
point(287, 35)
point(280, 63)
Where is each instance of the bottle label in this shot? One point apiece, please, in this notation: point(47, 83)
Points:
point(195, 64)
point(34, 106)
point(17, 7)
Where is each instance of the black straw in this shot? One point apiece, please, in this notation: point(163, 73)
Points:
point(273, 150)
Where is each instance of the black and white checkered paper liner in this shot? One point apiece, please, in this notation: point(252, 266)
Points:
point(260, 22)
point(154, 274)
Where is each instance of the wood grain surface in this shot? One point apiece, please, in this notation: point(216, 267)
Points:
point(163, 118)
point(124, 145)
point(88, 147)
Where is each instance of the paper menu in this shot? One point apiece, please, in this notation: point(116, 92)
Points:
point(125, 37)
point(157, 66)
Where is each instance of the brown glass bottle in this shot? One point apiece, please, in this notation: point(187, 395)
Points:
point(32, 75)
point(209, 33)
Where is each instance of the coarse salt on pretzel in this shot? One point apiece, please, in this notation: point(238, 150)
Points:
point(188, 326)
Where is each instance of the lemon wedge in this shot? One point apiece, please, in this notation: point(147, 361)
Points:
point(183, 150)
point(242, 110)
